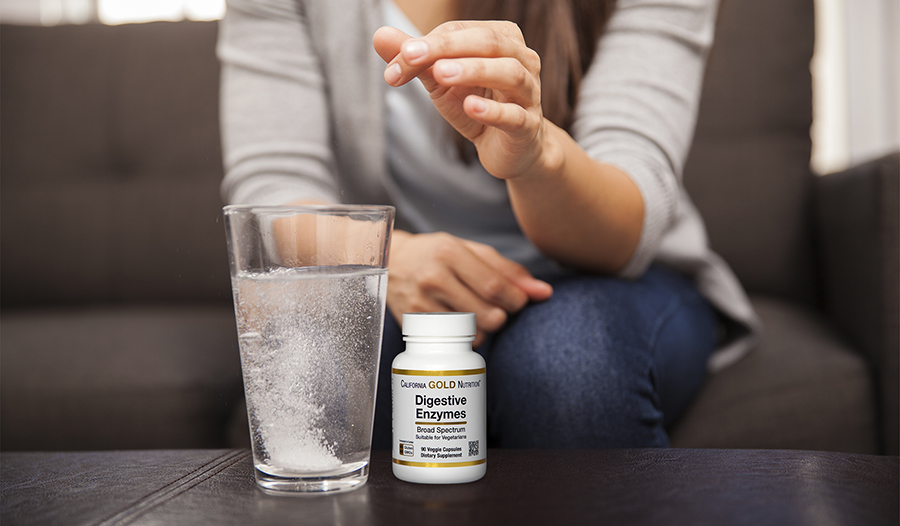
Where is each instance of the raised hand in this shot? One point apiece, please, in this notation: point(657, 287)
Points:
point(484, 81)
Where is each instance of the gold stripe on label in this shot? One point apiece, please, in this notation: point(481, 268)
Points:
point(440, 423)
point(412, 372)
point(439, 464)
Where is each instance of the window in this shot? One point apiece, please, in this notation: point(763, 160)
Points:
point(126, 11)
point(55, 12)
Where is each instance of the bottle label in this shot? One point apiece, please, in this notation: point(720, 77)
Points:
point(439, 418)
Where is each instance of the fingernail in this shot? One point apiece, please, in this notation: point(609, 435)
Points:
point(449, 69)
point(392, 74)
point(414, 49)
point(479, 106)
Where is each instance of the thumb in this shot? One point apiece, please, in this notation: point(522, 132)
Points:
point(387, 41)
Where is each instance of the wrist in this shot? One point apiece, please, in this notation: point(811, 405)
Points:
point(550, 162)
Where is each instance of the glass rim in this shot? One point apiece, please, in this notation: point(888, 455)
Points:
point(309, 208)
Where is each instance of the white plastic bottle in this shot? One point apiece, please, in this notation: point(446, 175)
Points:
point(439, 401)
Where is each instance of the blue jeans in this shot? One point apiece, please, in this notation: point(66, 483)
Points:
point(605, 362)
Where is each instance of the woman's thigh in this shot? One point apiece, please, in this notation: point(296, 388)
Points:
point(605, 362)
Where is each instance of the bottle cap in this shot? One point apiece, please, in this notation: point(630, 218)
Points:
point(439, 324)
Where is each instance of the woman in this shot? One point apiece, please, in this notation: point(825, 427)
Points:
point(536, 172)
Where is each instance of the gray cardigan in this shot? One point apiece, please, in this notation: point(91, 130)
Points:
point(303, 103)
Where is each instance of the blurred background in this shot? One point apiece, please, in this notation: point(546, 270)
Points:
point(856, 67)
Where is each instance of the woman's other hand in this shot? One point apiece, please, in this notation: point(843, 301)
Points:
point(439, 273)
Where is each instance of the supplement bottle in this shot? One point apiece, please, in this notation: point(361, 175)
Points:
point(439, 401)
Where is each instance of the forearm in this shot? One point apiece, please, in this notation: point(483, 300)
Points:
point(274, 114)
point(576, 210)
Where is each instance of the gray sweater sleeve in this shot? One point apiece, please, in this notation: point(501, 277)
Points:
point(638, 104)
point(275, 122)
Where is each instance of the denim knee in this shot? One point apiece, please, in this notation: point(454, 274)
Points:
point(572, 372)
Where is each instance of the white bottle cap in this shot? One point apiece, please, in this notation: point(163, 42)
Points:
point(439, 324)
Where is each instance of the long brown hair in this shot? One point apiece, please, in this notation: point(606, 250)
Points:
point(563, 32)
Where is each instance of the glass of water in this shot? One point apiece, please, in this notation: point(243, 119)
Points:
point(309, 286)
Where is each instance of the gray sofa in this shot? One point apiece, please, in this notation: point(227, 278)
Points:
point(116, 328)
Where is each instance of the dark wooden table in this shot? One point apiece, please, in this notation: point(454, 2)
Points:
point(608, 487)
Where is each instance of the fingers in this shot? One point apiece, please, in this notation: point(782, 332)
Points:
point(387, 41)
point(441, 291)
point(505, 75)
point(502, 27)
point(535, 289)
point(439, 272)
point(507, 117)
point(491, 287)
point(452, 40)
point(495, 75)
point(459, 297)
point(464, 282)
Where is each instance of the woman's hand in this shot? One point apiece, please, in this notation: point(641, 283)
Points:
point(485, 82)
point(440, 272)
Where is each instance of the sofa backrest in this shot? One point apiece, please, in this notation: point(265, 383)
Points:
point(748, 171)
point(110, 165)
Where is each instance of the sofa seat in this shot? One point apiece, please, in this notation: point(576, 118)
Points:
point(774, 397)
point(118, 377)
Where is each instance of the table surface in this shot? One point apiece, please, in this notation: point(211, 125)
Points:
point(628, 486)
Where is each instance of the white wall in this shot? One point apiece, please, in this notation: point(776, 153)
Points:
point(873, 63)
point(856, 82)
point(52, 12)
point(47, 12)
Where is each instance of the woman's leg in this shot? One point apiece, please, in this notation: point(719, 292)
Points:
point(605, 362)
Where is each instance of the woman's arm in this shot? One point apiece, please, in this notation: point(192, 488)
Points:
point(486, 83)
point(579, 211)
point(274, 112)
point(638, 105)
point(601, 203)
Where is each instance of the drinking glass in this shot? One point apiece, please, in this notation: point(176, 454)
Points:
point(309, 286)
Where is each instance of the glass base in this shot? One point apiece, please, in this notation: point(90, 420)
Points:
point(331, 483)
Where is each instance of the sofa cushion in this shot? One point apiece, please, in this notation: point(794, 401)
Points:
point(118, 378)
point(803, 388)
